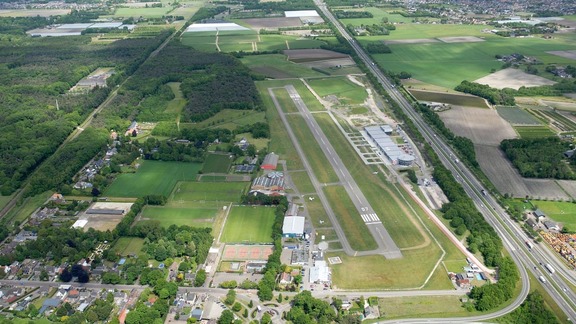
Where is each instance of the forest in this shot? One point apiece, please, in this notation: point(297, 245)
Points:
point(36, 111)
point(494, 96)
point(540, 157)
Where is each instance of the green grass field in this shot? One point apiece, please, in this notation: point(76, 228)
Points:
point(248, 224)
point(216, 163)
point(354, 228)
point(302, 181)
point(515, 115)
point(194, 217)
point(533, 131)
point(208, 191)
point(318, 161)
point(4, 200)
point(128, 245)
point(23, 210)
point(260, 143)
point(228, 118)
point(287, 104)
point(379, 14)
point(142, 12)
point(175, 105)
point(424, 306)
point(276, 66)
point(153, 178)
point(346, 91)
point(563, 212)
point(450, 98)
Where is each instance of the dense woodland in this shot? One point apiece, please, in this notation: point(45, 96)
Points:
point(36, 113)
point(540, 157)
point(494, 96)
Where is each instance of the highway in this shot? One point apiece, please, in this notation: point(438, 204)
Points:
point(512, 236)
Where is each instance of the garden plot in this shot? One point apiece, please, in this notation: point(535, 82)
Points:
point(513, 78)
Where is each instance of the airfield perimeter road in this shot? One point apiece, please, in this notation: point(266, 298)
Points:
point(512, 237)
point(386, 245)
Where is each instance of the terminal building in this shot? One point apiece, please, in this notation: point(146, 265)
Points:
point(380, 135)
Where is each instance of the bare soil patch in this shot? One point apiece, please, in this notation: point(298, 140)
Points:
point(310, 55)
point(412, 41)
point(566, 54)
point(330, 63)
point(275, 22)
point(482, 126)
point(513, 78)
point(460, 39)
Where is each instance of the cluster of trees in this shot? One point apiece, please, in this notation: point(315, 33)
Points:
point(494, 96)
point(208, 12)
point(258, 130)
point(153, 149)
point(490, 296)
point(532, 310)
point(352, 14)
point(307, 309)
point(378, 48)
point(76, 271)
point(278, 6)
point(539, 157)
point(145, 314)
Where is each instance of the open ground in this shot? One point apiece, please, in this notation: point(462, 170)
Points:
point(449, 98)
point(248, 224)
point(126, 246)
point(563, 212)
point(513, 78)
point(105, 221)
point(186, 191)
point(217, 163)
point(194, 217)
point(152, 178)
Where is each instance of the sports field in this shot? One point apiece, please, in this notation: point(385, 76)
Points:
point(248, 224)
point(239, 252)
point(217, 163)
point(208, 191)
point(195, 217)
point(128, 245)
point(152, 178)
point(346, 91)
point(563, 212)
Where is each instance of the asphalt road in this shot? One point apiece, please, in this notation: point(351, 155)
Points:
point(494, 214)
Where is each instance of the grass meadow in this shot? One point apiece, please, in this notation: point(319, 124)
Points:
point(424, 306)
point(216, 163)
point(276, 66)
point(346, 91)
point(152, 178)
point(302, 181)
point(228, 118)
point(194, 217)
point(128, 245)
point(175, 105)
point(563, 212)
point(533, 131)
point(379, 14)
point(208, 191)
point(286, 103)
point(248, 224)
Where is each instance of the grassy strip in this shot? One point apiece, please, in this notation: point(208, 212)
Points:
point(287, 104)
point(349, 218)
point(302, 182)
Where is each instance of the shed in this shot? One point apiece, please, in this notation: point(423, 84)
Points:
point(539, 213)
point(270, 161)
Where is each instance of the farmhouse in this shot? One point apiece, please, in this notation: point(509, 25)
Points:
point(133, 128)
point(270, 161)
point(293, 226)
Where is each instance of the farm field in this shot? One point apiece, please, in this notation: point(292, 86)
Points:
point(346, 91)
point(533, 131)
point(277, 66)
point(449, 98)
point(354, 228)
point(186, 191)
point(516, 116)
point(194, 217)
point(124, 12)
point(378, 14)
point(248, 224)
point(33, 12)
point(128, 245)
point(563, 212)
point(152, 178)
point(447, 64)
point(216, 163)
point(322, 168)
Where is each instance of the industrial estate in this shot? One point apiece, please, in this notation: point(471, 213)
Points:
point(291, 161)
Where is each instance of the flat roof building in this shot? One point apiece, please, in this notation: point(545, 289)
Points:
point(293, 226)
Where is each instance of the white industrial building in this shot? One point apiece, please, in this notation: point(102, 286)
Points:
point(320, 272)
point(386, 145)
point(293, 226)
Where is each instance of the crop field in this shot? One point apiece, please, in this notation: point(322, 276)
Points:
point(563, 212)
point(513, 78)
point(216, 163)
point(346, 91)
point(33, 12)
point(142, 12)
point(277, 66)
point(560, 121)
point(449, 98)
point(516, 116)
point(248, 224)
point(194, 217)
point(318, 161)
point(349, 218)
point(152, 178)
point(208, 191)
point(533, 131)
point(128, 245)
point(447, 64)
point(482, 126)
point(280, 142)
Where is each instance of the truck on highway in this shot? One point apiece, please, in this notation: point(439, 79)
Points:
point(483, 191)
point(542, 279)
point(529, 244)
point(549, 267)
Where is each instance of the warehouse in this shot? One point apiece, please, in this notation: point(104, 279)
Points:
point(293, 226)
point(386, 145)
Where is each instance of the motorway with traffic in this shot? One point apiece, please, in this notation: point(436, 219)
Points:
point(534, 259)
